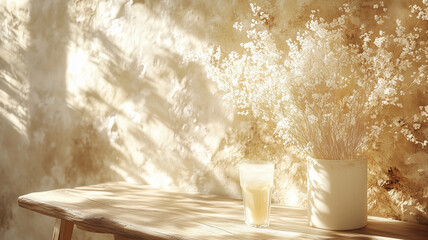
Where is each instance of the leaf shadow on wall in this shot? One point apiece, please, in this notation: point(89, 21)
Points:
point(13, 118)
point(46, 143)
point(172, 158)
point(203, 20)
point(59, 133)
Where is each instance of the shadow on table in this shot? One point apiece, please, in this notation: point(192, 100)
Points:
point(393, 229)
point(136, 211)
point(293, 221)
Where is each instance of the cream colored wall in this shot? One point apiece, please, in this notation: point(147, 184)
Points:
point(95, 91)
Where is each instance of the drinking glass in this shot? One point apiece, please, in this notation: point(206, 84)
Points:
point(256, 179)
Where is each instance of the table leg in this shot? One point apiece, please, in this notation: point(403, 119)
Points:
point(118, 237)
point(63, 230)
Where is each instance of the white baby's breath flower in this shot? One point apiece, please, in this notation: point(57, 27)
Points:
point(390, 91)
point(378, 41)
point(416, 126)
point(238, 26)
point(326, 88)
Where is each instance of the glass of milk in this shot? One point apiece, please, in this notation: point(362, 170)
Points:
point(256, 179)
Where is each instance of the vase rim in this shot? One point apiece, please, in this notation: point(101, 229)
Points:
point(337, 160)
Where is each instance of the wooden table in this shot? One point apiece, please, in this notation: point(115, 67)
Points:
point(140, 212)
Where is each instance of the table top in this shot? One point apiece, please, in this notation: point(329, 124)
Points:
point(139, 211)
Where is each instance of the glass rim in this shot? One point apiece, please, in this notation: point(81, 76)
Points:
point(256, 162)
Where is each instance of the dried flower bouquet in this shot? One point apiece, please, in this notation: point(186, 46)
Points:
point(334, 92)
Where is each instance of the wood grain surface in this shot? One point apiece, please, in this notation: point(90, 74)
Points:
point(141, 212)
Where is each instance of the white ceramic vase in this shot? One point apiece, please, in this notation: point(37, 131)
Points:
point(337, 194)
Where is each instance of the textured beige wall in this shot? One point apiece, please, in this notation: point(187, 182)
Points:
point(95, 91)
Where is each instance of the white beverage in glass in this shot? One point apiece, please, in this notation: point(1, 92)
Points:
point(256, 179)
